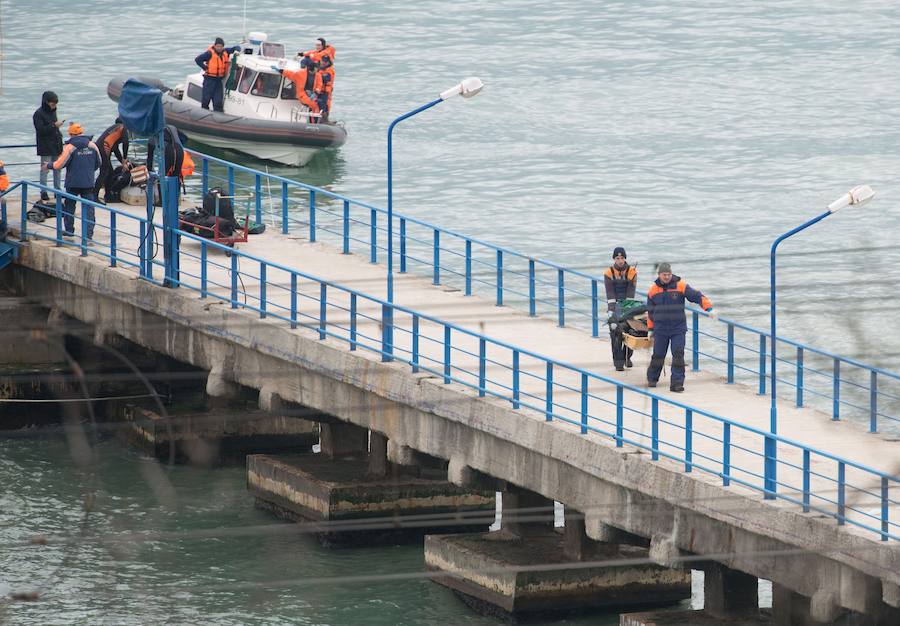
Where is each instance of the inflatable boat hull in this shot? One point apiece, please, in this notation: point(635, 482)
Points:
point(291, 143)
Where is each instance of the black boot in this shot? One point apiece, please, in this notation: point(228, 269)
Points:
point(628, 362)
point(620, 367)
point(676, 387)
point(45, 197)
point(651, 383)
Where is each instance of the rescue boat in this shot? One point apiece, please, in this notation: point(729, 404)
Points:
point(262, 116)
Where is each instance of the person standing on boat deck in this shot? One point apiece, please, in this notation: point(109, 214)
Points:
point(298, 77)
point(620, 280)
point(113, 140)
point(324, 85)
point(47, 137)
point(214, 63)
point(668, 324)
point(81, 158)
point(322, 48)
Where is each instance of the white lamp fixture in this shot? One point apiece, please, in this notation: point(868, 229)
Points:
point(857, 196)
point(468, 88)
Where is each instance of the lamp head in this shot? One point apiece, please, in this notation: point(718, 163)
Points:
point(857, 196)
point(468, 88)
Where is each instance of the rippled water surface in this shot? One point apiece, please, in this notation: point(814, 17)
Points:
point(690, 132)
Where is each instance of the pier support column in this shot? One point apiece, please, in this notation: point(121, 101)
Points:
point(728, 592)
point(575, 539)
point(340, 440)
point(525, 513)
point(378, 457)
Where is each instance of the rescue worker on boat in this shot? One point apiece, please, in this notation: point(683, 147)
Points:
point(81, 158)
point(113, 140)
point(4, 185)
point(324, 85)
point(668, 324)
point(620, 280)
point(322, 48)
point(214, 62)
point(299, 78)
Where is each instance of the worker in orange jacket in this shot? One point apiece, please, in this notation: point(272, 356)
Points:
point(324, 85)
point(322, 48)
point(214, 62)
point(4, 185)
point(299, 78)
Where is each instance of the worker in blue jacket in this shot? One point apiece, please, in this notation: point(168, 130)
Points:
point(668, 324)
point(215, 63)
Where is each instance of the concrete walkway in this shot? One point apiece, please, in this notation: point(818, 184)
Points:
point(542, 336)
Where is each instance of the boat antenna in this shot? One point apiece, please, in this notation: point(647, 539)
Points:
point(244, 26)
point(1, 47)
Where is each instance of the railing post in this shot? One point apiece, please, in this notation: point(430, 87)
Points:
point(312, 215)
point(515, 379)
point(799, 376)
point(482, 366)
point(323, 309)
point(204, 280)
point(842, 484)
point(499, 277)
point(437, 257)
point(257, 192)
point(688, 440)
point(387, 332)
point(59, 222)
point(595, 320)
point(836, 405)
point(885, 525)
point(294, 292)
point(726, 454)
point(373, 236)
point(402, 245)
point(695, 341)
point(415, 344)
point(284, 208)
point(468, 267)
point(654, 429)
point(446, 354)
point(806, 479)
point(262, 289)
point(346, 227)
point(230, 181)
point(730, 378)
point(142, 234)
point(584, 403)
point(112, 239)
point(353, 322)
point(234, 280)
point(82, 219)
point(620, 414)
point(770, 472)
point(549, 392)
point(762, 365)
point(873, 401)
point(532, 304)
point(23, 218)
point(561, 297)
point(205, 175)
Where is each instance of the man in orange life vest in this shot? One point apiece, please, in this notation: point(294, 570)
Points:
point(299, 78)
point(4, 185)
point(214, 63)
point(620, 280)
point(324, 85)
point(322, 48)
point(667, 322)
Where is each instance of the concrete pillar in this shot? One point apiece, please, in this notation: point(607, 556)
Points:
point(525, 512)
point(728, 592)
point(342, 440)
point(890, 593)
point(378, 458)
point(217, 386)
point(792, 609)
point(575, 539)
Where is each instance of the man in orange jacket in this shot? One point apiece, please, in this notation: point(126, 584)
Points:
point(322, 48)
point(324, 85)
point(299, 77)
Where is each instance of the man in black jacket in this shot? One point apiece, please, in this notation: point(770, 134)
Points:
point(47, 137)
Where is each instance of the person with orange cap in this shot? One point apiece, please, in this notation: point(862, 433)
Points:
point(81, 158)
point(214, 62)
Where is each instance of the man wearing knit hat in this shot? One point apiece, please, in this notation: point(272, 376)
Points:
point(668, 324)
point(214, 62)
point(47, 137)
point(81, 158)
point(620, 280)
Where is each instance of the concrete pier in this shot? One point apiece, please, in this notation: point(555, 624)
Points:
point(221, 436)
point(359, 496)
point(528, 567)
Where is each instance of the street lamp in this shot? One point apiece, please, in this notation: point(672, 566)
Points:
point(467, 89)
point(857, 196)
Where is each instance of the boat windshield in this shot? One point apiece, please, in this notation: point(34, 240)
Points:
point(266, 85)
point(246, 80)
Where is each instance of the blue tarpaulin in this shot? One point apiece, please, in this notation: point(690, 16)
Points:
point(140, 107)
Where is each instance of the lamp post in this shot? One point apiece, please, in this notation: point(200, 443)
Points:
point(467, 88)
point(857, 196)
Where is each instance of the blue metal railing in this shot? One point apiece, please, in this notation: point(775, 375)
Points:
point(846, 491)
point(545, 288)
